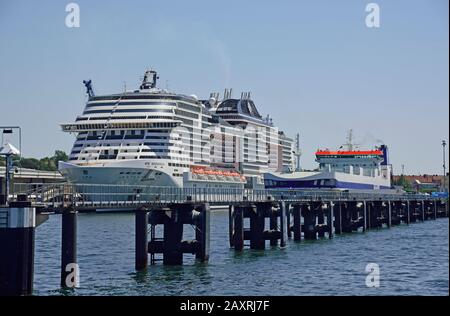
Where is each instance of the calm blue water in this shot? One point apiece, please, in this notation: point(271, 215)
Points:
point(412, 259)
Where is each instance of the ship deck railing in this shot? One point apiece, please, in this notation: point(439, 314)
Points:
point(103, 195)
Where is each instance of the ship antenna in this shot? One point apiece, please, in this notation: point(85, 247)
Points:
point(350, 145)
point(89, 89)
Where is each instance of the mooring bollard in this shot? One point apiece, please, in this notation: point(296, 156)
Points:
point(69, 265)
point(17, 232)
point(141, 239)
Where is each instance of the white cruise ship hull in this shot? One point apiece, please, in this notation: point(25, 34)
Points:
point(120, 173)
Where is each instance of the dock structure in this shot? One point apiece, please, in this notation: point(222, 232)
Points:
point(273, 216)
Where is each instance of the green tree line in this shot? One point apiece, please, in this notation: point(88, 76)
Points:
point(46, 163)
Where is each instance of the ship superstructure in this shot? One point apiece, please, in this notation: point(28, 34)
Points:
point(151, 136)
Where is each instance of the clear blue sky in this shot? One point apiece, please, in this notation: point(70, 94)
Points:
point(313, 65)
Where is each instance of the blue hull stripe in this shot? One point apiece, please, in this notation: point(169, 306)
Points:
point(310, 184)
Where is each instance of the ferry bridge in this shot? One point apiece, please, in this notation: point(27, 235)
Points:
point(274, 216)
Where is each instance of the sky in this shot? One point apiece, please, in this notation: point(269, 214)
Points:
point(314, 66)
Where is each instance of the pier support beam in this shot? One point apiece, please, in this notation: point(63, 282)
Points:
point(309, 216)
point(297, 226)
point(408, 212)
point(320, 222)
point(201, 220)
point(230, 224)
point(288, 220)
point(257, 212)
point(17, 233)
point(389, 213)
point(330, 219)
point(173, 235)
point(173, 218)
point(338, 218)
point(348, 210)
point(283, 223)
point(273, 224)
point(365, 216)
point(257, 223)
point(69, 265)
point(141, 239)
point(238, 232)
point(376, 210)
point(435, 209)
point(422, 210)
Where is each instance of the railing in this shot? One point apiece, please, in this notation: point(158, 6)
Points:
point(60, 194)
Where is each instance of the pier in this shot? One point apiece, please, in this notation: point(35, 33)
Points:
point(257, 219)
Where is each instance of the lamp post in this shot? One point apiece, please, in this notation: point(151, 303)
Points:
point(9, 156)
point(444, 143)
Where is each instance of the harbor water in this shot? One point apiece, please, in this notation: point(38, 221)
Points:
point(412, 260)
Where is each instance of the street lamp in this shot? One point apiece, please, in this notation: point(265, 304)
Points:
point(9, 151)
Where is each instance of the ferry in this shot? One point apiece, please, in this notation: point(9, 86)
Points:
point(349, 169)
point(153, 137)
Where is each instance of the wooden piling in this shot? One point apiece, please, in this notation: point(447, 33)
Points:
point(202, 233)
point(17, 240)
point(69, 266)
point(230, 224)
point(141, 239)
point(320, 222)
point(273, 224)
point(309, 216)
point(173, 234)
point(338, 218)
point(408, 212)
point(389, 214)
point(257, 223)
point(365, 216)
point(297, 226)
point(238, 233)
point(283, 224)
point(330, 220)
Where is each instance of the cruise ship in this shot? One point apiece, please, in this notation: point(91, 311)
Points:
point(343, 169)
point(154, 137)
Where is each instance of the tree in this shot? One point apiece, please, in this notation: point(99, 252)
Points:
point(46, 163)
point(60, 156)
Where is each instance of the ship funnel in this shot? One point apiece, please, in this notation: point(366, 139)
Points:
point(149, 81)
point(385, 151)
